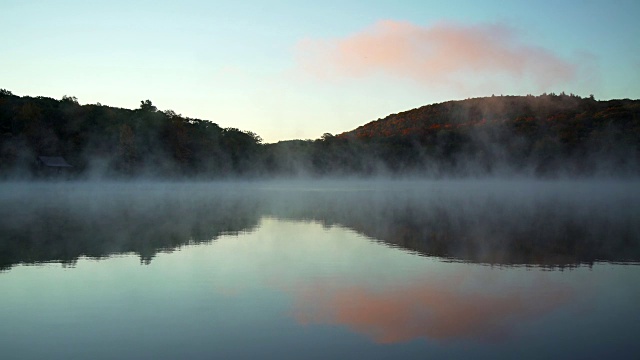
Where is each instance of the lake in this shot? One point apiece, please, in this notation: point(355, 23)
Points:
point(370, 269)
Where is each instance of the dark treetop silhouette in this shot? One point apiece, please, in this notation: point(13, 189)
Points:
point(547, 135)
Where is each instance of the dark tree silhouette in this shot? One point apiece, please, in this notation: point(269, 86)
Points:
point(536, 135)
point(146, 105)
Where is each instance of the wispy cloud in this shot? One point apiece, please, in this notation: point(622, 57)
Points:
point(447, 54)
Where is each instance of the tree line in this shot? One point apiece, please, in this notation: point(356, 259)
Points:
point(119, 142)
point(546, 135)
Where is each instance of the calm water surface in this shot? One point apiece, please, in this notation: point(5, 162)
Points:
point(385, 270)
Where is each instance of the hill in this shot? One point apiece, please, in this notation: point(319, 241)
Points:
point(539, 134)
point(563, 109)
point(100, 140)
point(548, 135)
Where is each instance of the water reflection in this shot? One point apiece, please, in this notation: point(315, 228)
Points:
point(502, 223)
point(437, 309)
point(61, 222)
point(297, 272)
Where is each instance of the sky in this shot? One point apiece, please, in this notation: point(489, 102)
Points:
point(296, 70)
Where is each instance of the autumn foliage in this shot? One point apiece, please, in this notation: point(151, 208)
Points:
point(548, 135)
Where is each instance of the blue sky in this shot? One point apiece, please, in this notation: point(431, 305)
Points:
point(294, 70)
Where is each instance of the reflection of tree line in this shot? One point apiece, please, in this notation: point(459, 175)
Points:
point(62, 229)
point(549, 232)
point(485, 229)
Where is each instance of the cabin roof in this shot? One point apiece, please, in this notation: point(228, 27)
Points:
point(54, 161)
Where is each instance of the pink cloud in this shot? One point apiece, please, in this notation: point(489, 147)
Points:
point(443, 54)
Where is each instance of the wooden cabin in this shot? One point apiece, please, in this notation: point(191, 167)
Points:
point(52, 165)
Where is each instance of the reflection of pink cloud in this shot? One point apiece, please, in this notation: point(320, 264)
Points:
point(441, 54)
point(430, 311)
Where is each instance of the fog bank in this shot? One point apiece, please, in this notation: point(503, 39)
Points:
point(505, 222)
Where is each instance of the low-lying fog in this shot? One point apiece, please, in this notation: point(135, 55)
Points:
point(508, 222)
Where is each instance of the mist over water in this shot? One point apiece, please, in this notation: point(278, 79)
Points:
point(534, 222)
point(489, 268)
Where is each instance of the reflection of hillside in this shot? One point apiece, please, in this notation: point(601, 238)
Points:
point(65, 222)
point(537, 229)
point(41, 223)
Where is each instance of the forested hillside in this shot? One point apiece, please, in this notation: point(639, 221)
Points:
point(572, 112)
point(548, 135)
point(108, 141)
